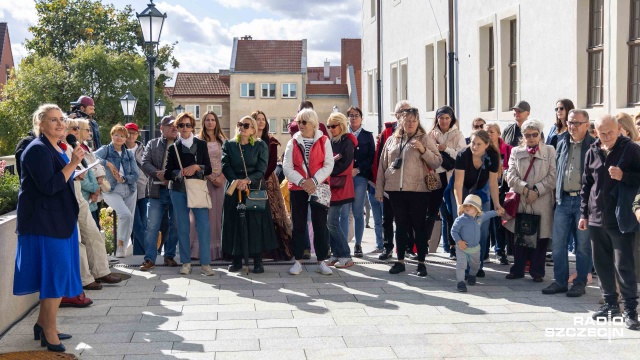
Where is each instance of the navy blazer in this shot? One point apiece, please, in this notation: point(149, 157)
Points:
point(364, 153)
point(47, 203)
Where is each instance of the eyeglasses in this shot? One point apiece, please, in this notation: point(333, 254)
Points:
point(135, 133)
point(244, 125)
point(529, 136)
point(333, 126)
point(61, 120)
point(576, 123)
point(302, 122)
point(559, 108)
point(182, 125)
point(75, 128)
point(354, 116)
point(478, 127)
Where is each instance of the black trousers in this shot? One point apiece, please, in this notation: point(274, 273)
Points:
point(387, 223)
point(613, 259)
point(299, 207)
point(410, 209)
point(536, 257)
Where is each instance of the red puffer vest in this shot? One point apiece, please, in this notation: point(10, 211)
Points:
point(316, 160)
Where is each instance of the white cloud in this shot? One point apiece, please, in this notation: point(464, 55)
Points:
point(302, 9)
point(23, 10)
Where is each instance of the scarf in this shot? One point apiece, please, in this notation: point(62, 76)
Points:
point(188, 142)
point(533, 150)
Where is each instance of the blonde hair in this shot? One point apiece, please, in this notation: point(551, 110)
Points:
point(494, 125)
point(310, 116)
point(626, 122)
point(340, 120)
point(40, 114)
point(254, 126)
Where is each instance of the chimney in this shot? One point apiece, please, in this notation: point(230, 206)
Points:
point(327, 70)
point(246, 37)
point(224, 72)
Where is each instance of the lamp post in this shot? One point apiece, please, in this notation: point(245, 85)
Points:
point(128, 103)
point(179, 109)
point(160, 108)
point(151, 22)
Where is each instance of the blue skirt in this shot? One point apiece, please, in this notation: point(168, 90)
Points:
point(48, 265)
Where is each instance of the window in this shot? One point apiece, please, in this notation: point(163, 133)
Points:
point(290, 90)
point(272, 126)
point(216, 109)
point(513, 62)
point(269, 90)
point(370, 92)
point(375, 92)
point(491, 69)
point(595, 53)
point(194, 109)
point(634, 54)
point(430, 85)
point(441, 84)
point(247, 90)
point(404, 84)
point(394, 85)
point(373, 8)
point(285, 125)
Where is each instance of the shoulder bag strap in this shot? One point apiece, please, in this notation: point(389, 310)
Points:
point(529, 169)
point(624, 152)
point(303, 158)
point(177, 155)
point(245, 167)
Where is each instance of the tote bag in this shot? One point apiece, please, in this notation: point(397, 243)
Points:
point(197, 190)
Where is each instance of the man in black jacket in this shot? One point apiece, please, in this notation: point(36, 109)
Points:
point(611, 160)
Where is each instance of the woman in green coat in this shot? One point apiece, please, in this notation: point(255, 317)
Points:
point(244, 159)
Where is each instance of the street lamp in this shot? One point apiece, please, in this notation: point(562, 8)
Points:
point(179, 109)
point(160, 108)
point(151, 22)
point(128, 103)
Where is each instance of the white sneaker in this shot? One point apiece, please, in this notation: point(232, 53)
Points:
point(323, 269)
point(344, 263)
point(296, 269)
point(206, 270)
point(186, 269)
point(120, 253)
point(332, 261)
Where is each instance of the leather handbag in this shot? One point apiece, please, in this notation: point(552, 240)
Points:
point(527, 230)
point(257, 198)
point(432, 179)
point(512, 198)
point(322, 197)
point(197, 190)
point(338, 182)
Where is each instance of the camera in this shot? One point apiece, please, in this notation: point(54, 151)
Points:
point(397, 163)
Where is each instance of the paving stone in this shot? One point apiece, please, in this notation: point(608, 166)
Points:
point(148, 349)
point(207, 316)
point(377, 320)
point(351, 353)
point(309, 343)
point(292, 354)
point(133, 327)
point(156, 310)
point(173, 336)
point(357, 341)
point(221, 324)
point(228, 300)
point(105, 319)
point(279, 323)
point(418, 329)
point(518, 349)
point(217, 345)
point(430, 350)
point(254, 315)
point(338, 330)
point(187, 301)
point(270, 333)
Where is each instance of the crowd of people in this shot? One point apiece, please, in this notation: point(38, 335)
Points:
point(215, 197)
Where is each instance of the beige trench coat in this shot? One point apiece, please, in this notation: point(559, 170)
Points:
point(543, 176)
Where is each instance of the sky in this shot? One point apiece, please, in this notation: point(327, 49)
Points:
point(204, 29)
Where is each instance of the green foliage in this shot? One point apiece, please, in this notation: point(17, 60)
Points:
point(9, 186)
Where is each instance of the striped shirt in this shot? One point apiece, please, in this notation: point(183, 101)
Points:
point(307, 147)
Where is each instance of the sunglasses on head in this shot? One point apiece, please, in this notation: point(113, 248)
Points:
point(333, 126)
point(559, 108)
point(529, 136)
point(413, 111)
point(244, 125)
point(182, 125)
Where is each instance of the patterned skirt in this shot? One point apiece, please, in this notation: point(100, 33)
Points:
point(281, 221)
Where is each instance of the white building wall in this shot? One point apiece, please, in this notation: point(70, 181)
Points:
point(552, 57)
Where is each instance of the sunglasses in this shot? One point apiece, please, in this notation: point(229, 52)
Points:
point(75, 128)
point(559, 108)
point(244, 125)
point(302, 122)
point(183, 125)
point(333, 126)
point(529, 136)
point(478, 127)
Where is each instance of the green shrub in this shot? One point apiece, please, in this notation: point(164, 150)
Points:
point(9, 186)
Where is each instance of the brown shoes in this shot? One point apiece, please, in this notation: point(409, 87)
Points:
point(168, 261)
point(93, 286)
point(147, 265)
point(109, 279)
point(79, 301)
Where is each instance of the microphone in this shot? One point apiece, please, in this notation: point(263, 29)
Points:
point(71, 140)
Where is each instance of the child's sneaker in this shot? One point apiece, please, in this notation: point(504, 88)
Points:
point(471, 280)
point(323, 269)
point(462, 287)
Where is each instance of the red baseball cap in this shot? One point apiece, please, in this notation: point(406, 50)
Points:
point(131, 126)
point(85, 101)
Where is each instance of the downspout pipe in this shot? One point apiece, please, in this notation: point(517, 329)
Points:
point(378, 80)
point(452, 58)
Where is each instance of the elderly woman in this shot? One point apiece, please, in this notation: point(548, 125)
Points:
point(405, 160)
point(281, 220)
point(536, 196)
point(244, 162)
point(47, 259)
point(188, 158)
point(308, 162)
point(449, 140)
point(343, 144)
point(122, 175)
point(476, 173)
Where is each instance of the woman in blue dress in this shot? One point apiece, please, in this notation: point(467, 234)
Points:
point(47, 257)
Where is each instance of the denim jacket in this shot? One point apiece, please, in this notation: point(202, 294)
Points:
point(107, 153)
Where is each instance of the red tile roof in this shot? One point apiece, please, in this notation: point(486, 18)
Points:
point(197, 84)
point(265, 56)
point(316, 73)
point(168, 91)
point(327, 89)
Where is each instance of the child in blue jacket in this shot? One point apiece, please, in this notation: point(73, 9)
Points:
point(466, 233)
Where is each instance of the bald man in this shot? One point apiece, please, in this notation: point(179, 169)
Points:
point(612, 161)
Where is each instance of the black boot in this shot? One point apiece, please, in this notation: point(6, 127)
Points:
point(258, 268)
point(236, 265)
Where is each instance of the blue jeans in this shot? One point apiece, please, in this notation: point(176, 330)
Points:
point(376, 209)
point(498, 232)
point(484, 228)
point(566, 218)
point(139, 226)
point(444, 213)
point(337, 235)
point(156, 209)
point(201, 215)
point(360, 196)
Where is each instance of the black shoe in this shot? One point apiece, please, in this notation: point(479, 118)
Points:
point(37, 331)
point(357, 252)
point(511, 276)
point(471, 280)
point(504, 260)
point(462, 287)
point(422, 270)
point(480, 273)
point(577, 290)
point(397, 268)
point(235, 266)
point(258, 268)
point(554, 288)
point(631, 319)
point(605, 310)
point(386, 254)
point(51, 347)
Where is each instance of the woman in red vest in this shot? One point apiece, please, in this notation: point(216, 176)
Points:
point(308, 161)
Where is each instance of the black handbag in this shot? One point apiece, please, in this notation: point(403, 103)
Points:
point(257, 199)
point(448, 163)
point(527, 230)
